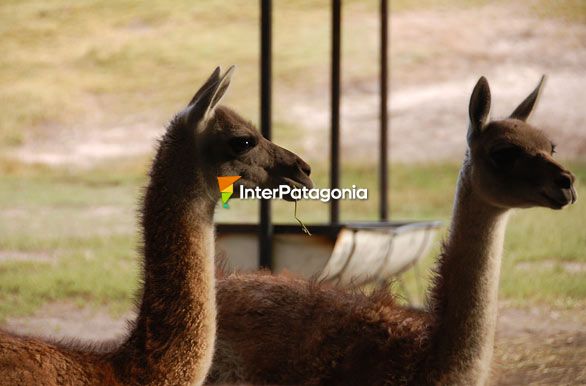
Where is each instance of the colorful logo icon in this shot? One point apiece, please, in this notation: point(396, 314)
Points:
point(226, 185)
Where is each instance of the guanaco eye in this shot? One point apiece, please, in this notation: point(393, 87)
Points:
point(505, 156)
point(553, 146)
point(241, 145)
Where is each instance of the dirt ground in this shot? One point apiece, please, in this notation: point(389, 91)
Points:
point(533, 346)
point(540, 347)
point(436, 57)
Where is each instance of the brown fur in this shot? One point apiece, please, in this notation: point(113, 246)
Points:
point(278, 330)
point(172, 340)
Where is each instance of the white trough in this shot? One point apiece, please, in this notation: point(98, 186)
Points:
point(349, 254)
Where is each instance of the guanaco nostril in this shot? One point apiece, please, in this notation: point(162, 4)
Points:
point(564, 181)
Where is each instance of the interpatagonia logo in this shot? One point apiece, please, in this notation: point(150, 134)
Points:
point(226, 185)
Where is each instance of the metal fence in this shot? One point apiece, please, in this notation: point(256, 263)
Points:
point(266, 229)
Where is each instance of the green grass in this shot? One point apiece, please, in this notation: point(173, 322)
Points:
point(83, 224)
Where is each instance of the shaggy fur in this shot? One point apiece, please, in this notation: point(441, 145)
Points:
point(279, 330)
point(172, 340)
point(306, 330)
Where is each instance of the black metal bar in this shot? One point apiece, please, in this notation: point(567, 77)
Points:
point(397, 227)
point(279, 229)
point(265, 239)
point(335, 108)
point(383, 169)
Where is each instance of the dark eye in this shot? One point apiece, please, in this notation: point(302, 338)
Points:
point(505, 156)
point(553, 146)
point(241, 145)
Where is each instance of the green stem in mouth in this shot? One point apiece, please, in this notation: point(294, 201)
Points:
point(303, 227)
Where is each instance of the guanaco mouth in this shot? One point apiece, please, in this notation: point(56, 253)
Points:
point(560, 203)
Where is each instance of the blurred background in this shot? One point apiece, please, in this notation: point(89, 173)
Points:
point(87, 87)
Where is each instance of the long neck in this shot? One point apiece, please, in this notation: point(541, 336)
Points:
point(464, 299)
point(172, 341)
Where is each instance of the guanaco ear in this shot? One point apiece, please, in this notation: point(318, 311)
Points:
point(221, 88)
point(479, 108)
point(212, 80)
point(523, 111)
point(201, 108)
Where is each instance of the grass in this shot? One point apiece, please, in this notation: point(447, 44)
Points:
point(568, 10)
point(113, 61)
point(82, 225)
point(73, 64)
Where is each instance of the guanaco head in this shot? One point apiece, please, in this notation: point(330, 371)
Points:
point(228, 145)
point(512, 164)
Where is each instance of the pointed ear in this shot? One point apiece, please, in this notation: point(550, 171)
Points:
point(204, 102)
point(222, 87)
point(214, 78)
point(479, 108)
point(523, 111)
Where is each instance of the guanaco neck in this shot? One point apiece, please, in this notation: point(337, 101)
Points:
point(172, 341)
point(464, 299)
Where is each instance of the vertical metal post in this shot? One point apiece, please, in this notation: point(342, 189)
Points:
point(383, 169)
point(265, 240)
point(335, 108)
